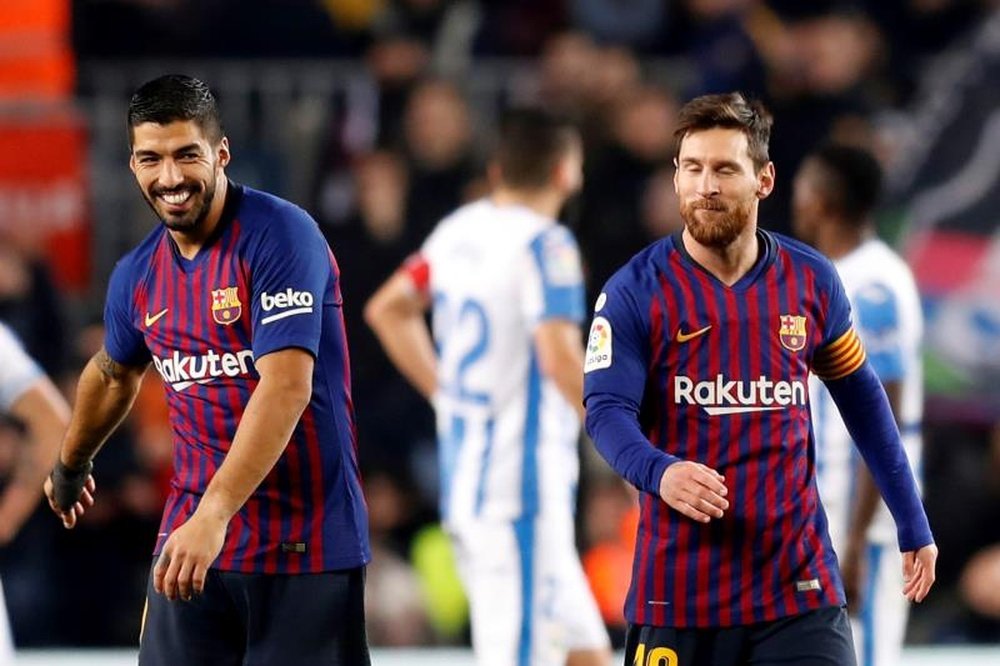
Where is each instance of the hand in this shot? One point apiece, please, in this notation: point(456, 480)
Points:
point(697, 491)
point(852, 569)
point(918, 572)
point(186, 556)
point(85, 500)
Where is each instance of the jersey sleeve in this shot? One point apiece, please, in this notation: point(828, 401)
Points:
point(17, 372)
point(877, 316)
point(840, 352)
point(556, 290)
point(613, 384)
point(122, 340)
point(617, 346)
point(290, 267)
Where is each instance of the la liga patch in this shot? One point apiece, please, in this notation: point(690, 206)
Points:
point(598, 345)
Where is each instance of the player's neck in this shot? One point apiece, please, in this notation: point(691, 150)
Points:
point(190, 242)
point(729, 263)
point(546, 202)
point(839, 240)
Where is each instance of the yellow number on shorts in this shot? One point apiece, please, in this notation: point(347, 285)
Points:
point(658, 656)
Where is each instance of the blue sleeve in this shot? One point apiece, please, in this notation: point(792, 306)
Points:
point(557, 260)
point(866, 412)
point(838, 309)
point(876, 318)
point(614, 381)
point(290, 267)
point(122, 340)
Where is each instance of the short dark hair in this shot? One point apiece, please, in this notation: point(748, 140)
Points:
point(850, 181)
point(730, 111)
point(175, 97)
point(532, 142)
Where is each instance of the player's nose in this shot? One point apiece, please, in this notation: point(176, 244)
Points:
point(170, 174)
point(708, 184)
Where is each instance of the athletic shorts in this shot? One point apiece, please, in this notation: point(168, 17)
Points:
point(259, 620)
point(529, 598)
point(817, 638)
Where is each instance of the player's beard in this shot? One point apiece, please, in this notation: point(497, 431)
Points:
point(201, 198)
point(721, 228)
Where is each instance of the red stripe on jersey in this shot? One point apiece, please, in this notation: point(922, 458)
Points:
point(658, 340)
point(685, 526)
point(747, 495)
point(770, 486)
point(729, 526)
point(782, 365)
point(419, 271)
point(711, 350)
point(317, 493)
point(253, 507)
point(224, 276)
point(668, 519)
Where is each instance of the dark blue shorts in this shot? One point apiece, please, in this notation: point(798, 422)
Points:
point(817, 638)
point(259, 620)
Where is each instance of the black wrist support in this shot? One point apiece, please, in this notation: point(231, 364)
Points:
point(67, 484)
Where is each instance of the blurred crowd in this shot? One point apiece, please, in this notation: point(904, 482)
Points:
point(828, 70)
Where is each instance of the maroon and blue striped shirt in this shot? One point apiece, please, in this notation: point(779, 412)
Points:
point(266, 281)
point(718, 374)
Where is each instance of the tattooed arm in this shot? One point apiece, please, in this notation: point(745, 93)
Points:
point(104, 395)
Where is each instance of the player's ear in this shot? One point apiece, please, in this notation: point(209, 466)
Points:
point(676, 171)
point(765, 181)
point(223, 152)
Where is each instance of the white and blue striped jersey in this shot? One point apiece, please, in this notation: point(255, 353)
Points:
point(18, 372)
point(887, 317)
point(507, 437)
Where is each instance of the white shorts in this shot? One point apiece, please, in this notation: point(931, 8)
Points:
point(6, 642)
point(881, 626)
point(529, 598)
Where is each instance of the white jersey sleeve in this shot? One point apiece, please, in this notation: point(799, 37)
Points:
point(17, 371)
point(553, 284)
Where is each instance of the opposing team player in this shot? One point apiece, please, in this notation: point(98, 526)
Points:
point(835, 191)
point(31, 398)
point(504, 283)
point(235, 299)
point(696, 392)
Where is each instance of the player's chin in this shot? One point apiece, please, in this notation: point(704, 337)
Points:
point(184, 222)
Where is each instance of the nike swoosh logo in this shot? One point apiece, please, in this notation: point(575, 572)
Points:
point(150, 320)
point(684, 337)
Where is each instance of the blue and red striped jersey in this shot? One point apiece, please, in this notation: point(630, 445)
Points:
point(718, 374)
point(265, 281)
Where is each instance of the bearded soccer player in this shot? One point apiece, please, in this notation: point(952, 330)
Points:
point(696, 392)
point(235, 299)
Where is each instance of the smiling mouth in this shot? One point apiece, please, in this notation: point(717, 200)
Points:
point(176, 198)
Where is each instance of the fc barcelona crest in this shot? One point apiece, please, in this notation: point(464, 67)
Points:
point(792, 332)
point(226, 306)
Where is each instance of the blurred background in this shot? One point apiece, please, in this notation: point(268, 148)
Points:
point(376, 116)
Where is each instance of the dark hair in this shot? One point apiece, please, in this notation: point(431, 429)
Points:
point(175, 97)
point(730, 111)
point(532, 142)
point(850, 181)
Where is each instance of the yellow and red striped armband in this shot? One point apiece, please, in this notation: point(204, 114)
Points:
point(839, 358)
